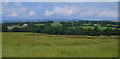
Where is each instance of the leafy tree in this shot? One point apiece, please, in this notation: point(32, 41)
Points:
point(96, 31)
point(4, 29)
point(118, 26)
point(16, 29)
point(89, 31)
point(107, 31)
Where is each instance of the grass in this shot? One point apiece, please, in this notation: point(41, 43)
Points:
point(10, 28)
point(24, 26)
point(86, 24)
point(0, 44)
point(45, 45)
point(56, 24)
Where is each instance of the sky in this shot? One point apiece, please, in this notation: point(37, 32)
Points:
point(60, 0)
point(60, 10)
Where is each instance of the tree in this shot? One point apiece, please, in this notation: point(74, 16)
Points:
point(96, 31)
point(16, 29)
point(107, 31)
point(89, 31)
point(4, 29)
point(118, 26)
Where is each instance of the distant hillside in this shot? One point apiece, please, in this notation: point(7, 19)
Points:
point(37, 20)
point(116, 20)
point(51, 19)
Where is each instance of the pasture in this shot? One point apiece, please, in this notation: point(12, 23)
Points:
point(56, 24)
point(20, 44)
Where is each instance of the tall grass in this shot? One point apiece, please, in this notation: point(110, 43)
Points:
point(44, 45)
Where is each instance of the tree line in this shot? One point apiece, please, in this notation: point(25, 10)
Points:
point(64, 30)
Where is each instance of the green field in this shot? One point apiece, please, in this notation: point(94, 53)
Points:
point(87, 24)
point(45, 45)
point(56, 24)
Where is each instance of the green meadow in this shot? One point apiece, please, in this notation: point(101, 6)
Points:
point(56, 24)
point(20, 44)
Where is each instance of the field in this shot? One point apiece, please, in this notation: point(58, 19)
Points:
point(44, 45)
point(56, 24)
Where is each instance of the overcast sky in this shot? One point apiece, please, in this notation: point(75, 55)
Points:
point(63, 10)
